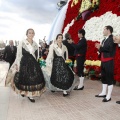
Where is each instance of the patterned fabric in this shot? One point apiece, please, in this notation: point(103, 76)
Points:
point(30, 76)
point(62, 76)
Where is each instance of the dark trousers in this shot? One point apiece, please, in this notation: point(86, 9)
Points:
point(80, 65)
point(107, 72)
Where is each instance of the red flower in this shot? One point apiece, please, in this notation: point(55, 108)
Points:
point(112, 5)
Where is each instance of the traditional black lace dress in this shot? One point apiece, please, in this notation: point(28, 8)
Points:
point(29, 80)
point(30, 75)
point(57, 73)
point(62, 76)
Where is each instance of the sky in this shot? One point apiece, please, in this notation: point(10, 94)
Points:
point(16, 16)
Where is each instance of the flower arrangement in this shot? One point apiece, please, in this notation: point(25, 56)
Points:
point(72, 12)
point(69, 62)
point(93, 69)
point(93, 63)
point(42, 62)
point(107, 14)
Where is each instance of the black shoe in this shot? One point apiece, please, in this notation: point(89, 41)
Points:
point(76, 88)
point(100, 95)
point(22, 95)
point(105, 100)
point(52, 91)
point(118, 102)
point(64, 95)
point(31, 100)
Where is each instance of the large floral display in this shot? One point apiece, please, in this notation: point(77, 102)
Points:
point(93, 15)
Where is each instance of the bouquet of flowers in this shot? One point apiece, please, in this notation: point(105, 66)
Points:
point(42, 62)
point(69, 62)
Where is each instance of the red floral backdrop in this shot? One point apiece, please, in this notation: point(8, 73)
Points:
point(105, 6)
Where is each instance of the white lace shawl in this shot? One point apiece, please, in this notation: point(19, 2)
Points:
point(28, 47)
point(58, 51)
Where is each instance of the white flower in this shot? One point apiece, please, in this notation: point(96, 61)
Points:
point(94, 26)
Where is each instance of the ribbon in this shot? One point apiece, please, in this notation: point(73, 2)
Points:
point(42, 62)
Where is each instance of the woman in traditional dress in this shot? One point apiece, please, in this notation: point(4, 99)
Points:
point(58, 74)
point(28, 80)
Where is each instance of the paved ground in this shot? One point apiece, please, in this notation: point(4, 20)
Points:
point(80, 105)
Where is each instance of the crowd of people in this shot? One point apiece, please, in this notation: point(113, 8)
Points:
point(28, 79)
